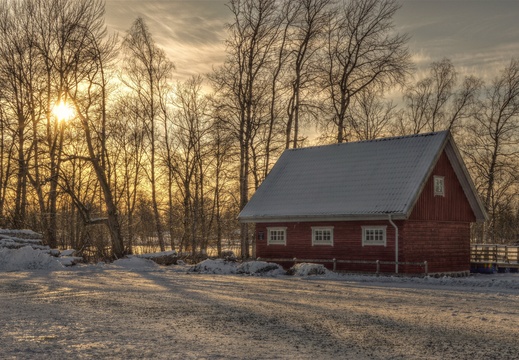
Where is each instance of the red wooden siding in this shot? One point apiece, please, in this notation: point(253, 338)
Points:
point(454, 206)
point(347, 244)
point(445, 245)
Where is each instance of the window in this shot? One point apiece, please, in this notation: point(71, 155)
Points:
point(322, 235)
point(374, 235)
point(439, 186)
point(277, 236)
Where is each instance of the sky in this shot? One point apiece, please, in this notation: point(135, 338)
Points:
point(479, 36)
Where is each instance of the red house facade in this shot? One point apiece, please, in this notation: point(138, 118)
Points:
point(402, 200)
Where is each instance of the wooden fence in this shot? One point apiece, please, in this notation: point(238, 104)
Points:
point(376, 263)
point(498, 255)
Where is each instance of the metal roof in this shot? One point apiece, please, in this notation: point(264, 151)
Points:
point(367, 179)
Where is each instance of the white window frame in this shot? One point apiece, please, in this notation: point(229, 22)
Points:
point(277, 231)
point(317, 229)
point(439, 185)
point(367, 238)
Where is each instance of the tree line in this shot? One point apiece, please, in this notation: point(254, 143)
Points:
point(145, 160)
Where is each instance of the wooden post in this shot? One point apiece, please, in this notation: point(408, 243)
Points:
point(295, 261)
point(426, 268)
point(334, 264)
point(378, 267)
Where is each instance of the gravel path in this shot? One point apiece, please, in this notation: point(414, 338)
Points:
point(167, 315)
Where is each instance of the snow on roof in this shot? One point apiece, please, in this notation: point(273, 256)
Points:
point(367, 179)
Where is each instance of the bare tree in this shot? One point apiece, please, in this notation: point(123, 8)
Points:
point(465, 103)
point(434, 103)
point(18, 72)
point(370, 117)
point(243, 80)
point(147, 71)
point(57, 26)
point(492, 143)
point(310, 18)
point(6, 155)
point(129, 140)
point(362, 51)
point(221, 150)
point(87, 89)
point(189, 160)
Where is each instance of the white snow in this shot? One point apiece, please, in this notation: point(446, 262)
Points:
point(218, 266)
point(68, 252)
point(135, 263)
point(27, 258)
point(307, 269)
point(24, 233)
point(134, 308)
point(157, 254)
point(260, 268)
point(133, 311)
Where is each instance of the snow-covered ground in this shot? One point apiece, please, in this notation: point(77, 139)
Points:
point(134, 308)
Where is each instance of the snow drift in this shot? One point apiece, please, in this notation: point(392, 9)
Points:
point(27, 258)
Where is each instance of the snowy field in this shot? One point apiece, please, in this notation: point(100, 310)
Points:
point(135, 309)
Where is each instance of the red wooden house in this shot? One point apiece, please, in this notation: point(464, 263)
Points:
point(405, 199)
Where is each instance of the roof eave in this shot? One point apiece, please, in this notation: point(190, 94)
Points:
point(321, 218)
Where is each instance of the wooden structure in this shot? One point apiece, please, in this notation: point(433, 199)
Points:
point(487, 258)
point(400, 201)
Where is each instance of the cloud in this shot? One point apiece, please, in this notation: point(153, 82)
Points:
point(192, 33)
point(480, 37)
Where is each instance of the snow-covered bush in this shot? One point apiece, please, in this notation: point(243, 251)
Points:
point(218, 266)
point(306, 269)
point(260, 268)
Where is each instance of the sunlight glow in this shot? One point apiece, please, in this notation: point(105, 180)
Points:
point(63, 111)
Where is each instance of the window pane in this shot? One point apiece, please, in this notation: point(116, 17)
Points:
point(322, 236)
point(374, 236)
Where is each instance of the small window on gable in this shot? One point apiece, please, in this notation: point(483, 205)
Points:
point(374, 235)
point(322, 236)
point(277, 236)
point(439, 186)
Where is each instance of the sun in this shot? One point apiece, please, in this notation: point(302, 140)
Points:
point(63, 111)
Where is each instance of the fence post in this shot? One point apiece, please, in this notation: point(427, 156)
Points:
point(295, 261)
point(378, 267)
point(334, 264)
point(426, 268)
